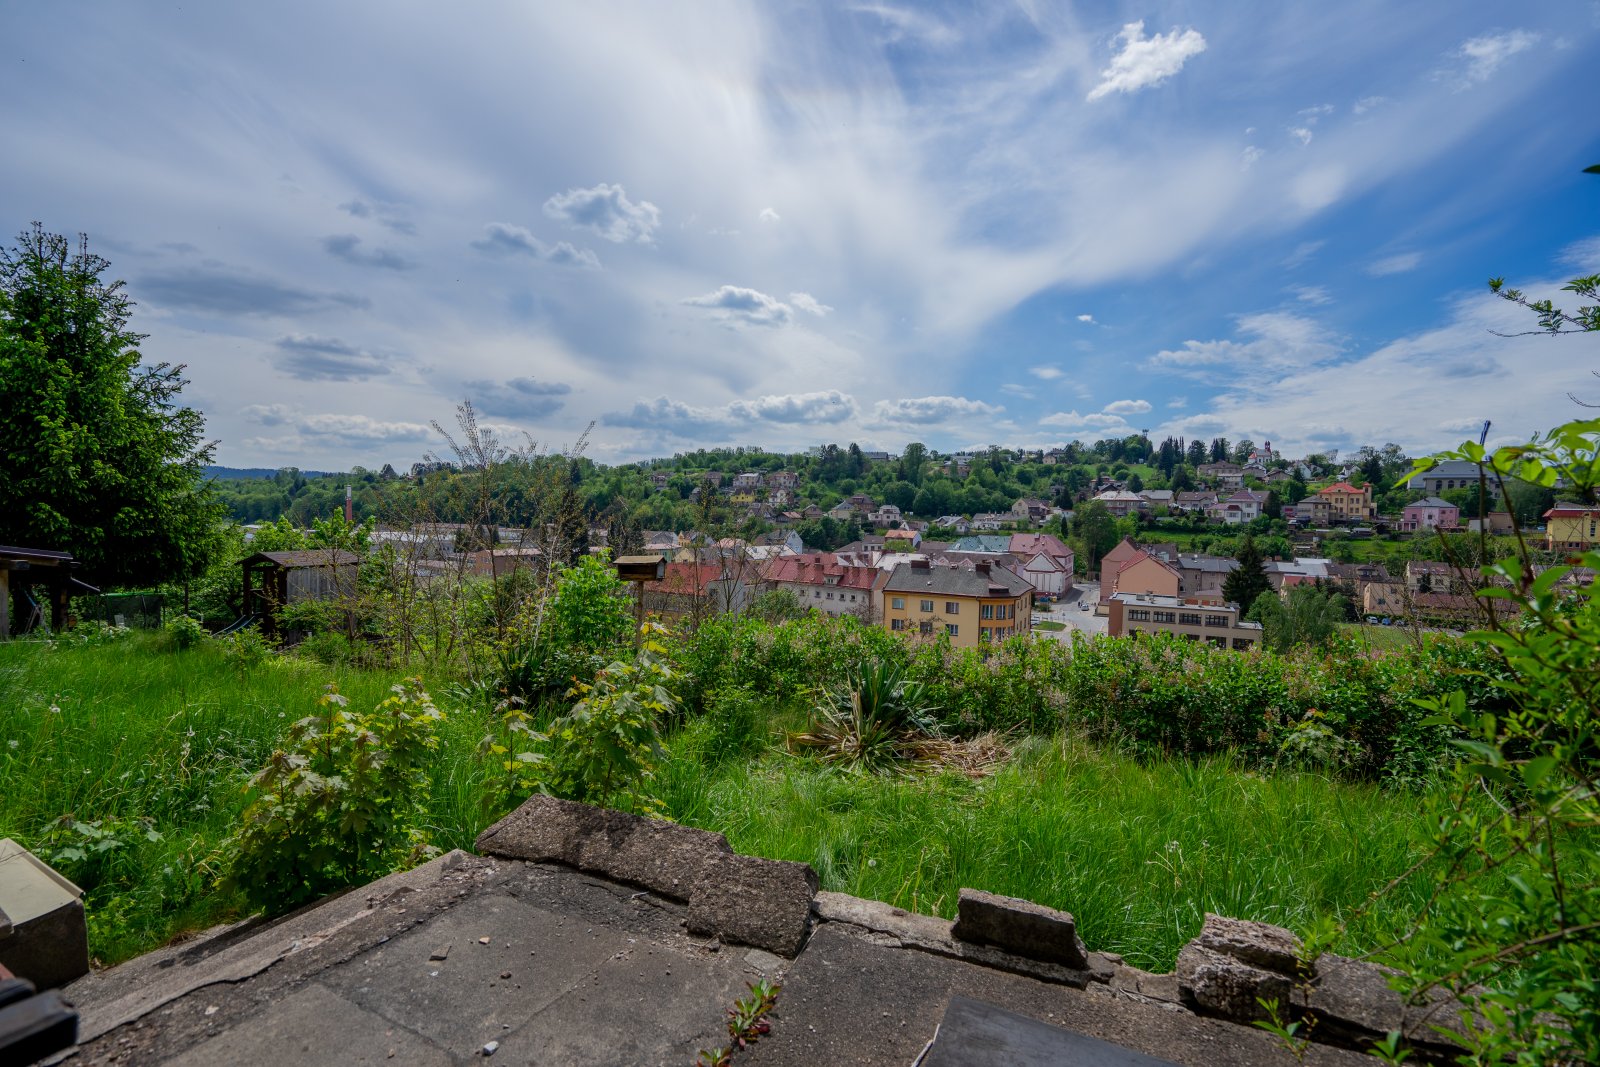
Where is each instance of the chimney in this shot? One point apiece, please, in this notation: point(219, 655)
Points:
point(982, 568)
point(349, 507)
point(919, 564)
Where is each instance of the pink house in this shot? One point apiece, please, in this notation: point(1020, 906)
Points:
point(1430, 513)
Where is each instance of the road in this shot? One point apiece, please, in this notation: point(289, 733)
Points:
point(1069, 611)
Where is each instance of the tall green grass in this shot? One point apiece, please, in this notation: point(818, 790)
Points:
point(1137, 851)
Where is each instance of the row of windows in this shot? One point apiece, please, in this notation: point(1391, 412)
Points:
point(953, 607)
point(816, 594)
point(1183, 619)
point(925, 626)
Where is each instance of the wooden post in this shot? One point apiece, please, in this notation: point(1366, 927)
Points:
point(5, 602)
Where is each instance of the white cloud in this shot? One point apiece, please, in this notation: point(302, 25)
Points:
point(828, 406)
point(1302, 254)
point(1073, 422)
point(1013, 389)
point(1086, 318)
point(903, 22)
point(1250, 155)
point(1127, 407)
point(769, 215)
point(267, 414)
point(1396, 264)
point(664, 415)
point(1482, 56)
point(1583, 254)
point(1146, 61)
point(1301, 134)
point(1047, 372)
point(1315, 295)
point(926, 409)
point(1178, 402)
point(1276, 341)
point(361, 430)
point(808, 303)
point(504, 237)
point(607, 211)
point(1367, 103)
point(745, 305)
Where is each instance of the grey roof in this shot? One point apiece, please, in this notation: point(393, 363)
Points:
point(1430, 502)
point(983, 543)
point(956, 581)
point(1450, 468)
point(1209, 564)
point(315, 557)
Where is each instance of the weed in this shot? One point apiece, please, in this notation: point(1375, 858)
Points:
point(747, 1023)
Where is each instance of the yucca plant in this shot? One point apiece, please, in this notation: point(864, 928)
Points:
point(875, 721)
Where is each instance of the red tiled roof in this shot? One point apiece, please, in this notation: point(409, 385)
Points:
point(815, 568)
point(1339, 487)
point(1033, 544)
point(686, 579)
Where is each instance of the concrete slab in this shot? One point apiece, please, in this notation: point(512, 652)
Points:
point(313, 1028)
point(849, 1000)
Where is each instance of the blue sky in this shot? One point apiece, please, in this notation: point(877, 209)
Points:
point(727, 223)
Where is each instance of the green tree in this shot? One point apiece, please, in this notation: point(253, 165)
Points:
point(100, 458)
point(1247, 581)
point(1096, 530)
point(912, 462)
point(1309, 617)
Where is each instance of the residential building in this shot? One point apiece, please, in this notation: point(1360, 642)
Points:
point(1346, 503)
point(1141, 573)
point(1030, 509)
point(953, 522)
point(1120, 502)
point(991, 520)
point(1137, 614)
point(993, 544)
point(1571, 528)
point(1312, 511)
point(826, 582)
point(1450, 474)
point(696, 591)
point(1198, 500)
point(1201, 577)
point(901, 540)
point(783, 480)
point(1432, 576)
point(1430, 513)
point(659, 479)
point(1026, 546)
point(1499, 523)
point(970, 607)
point(749, 480)
point(885, 515)
point(1157, 498)
point(1225, 475)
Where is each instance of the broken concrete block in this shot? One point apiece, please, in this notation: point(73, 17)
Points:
point(1351, 1000)
point(1258, 944)
point(757, 902)
point(49, 940)
point(660, 856)
point(1216, 984)
point(1019, 926)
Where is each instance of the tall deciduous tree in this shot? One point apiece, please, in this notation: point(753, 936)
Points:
point(100, 458)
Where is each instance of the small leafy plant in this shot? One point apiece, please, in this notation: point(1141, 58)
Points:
point(747, 1023)
point(342, 804)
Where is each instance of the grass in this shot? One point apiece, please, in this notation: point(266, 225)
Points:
point(1138, 851)
point(1048, 624)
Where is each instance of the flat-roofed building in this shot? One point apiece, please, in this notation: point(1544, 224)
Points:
point(1185, 617)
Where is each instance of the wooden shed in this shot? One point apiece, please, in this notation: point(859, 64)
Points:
point(274, 580)
point(27, 571)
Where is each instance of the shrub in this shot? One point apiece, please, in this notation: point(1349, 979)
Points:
point(185, 632)
point(245, 649)
point(872, 722)
point(584, 625)
point(342, 805)
point(93, 632)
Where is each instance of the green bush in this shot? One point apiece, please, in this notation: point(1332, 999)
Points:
point(93, 632)
point(245, 649)
point(185, 632)
point(344, 804)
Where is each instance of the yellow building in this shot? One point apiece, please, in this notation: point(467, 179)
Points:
point(1346, 503)
point(970, 603)
point(1571, 528)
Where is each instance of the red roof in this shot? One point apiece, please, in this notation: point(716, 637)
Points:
point(686, 579)
point(1339, 487)
point(1033, 544)
point(1569, 511)
point(815, 568)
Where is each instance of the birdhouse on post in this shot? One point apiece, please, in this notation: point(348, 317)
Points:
point(639, 570)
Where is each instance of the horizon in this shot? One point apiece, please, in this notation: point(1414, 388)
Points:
point(873, 222)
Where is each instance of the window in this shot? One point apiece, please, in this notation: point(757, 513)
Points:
point(1242, 644)
point(816, 594)
point(952, 629)
point(927, 605)
point(830, 594)
point(1164, 616)
point(987, 612)
point(1217, 621)
point(952, 607)
point(926, 626)
point(1188, 619)
point(1138, 615)
point(897, 624)
point(898, 603)
point(1220, 642)
point(852, 598)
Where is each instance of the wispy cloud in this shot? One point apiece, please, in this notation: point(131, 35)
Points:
point(518, 398)
point(810, 304)
point(1399, 263)
point(1127, 407)
point(1481, 56)
point(1047, 372)
point(328, 359)
point(504, 237)
point(931, 409)
point(347, 246)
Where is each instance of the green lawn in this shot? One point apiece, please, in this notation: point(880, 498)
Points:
point(1138, 851)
